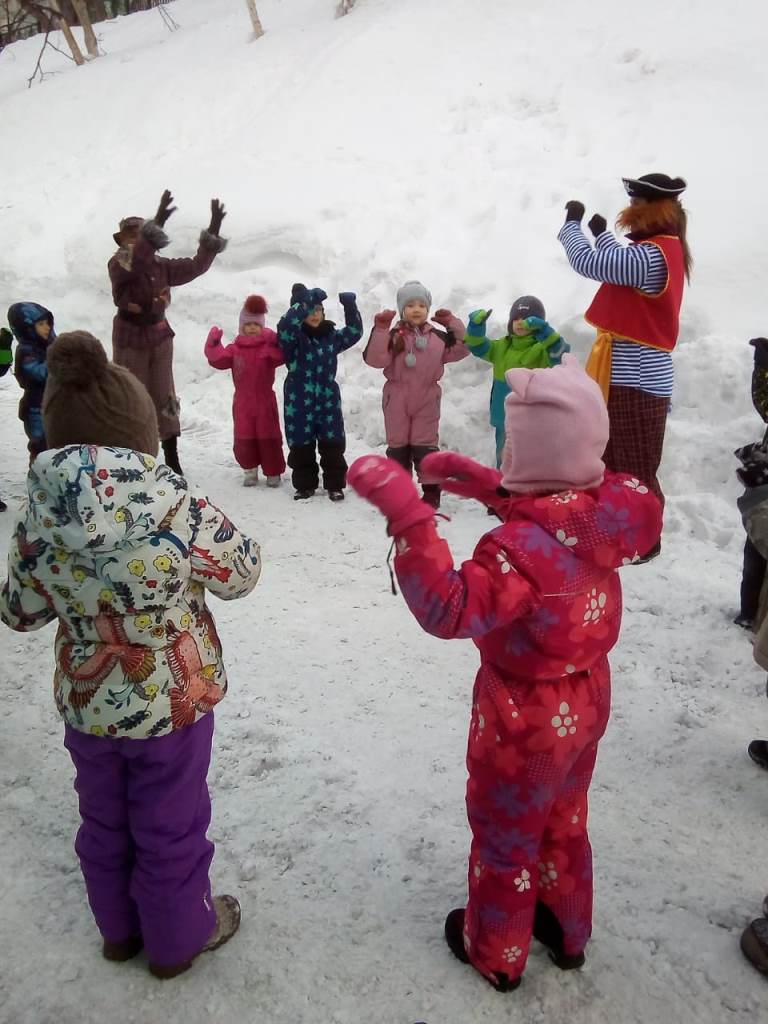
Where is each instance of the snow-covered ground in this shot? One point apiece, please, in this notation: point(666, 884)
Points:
point(437, 139)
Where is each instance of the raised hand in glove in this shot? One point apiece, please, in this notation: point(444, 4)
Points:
point(391, 489)
point(214, 336)
point(477, 321)
point(218, 213)
point(443, 317)
point(347, 298)
point(597, 224)
point(540, 329)
point(461, 475)
point(165, 208)
point(384, 318)
point(574, 210)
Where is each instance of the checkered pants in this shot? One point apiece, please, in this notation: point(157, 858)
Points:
point(637, 423)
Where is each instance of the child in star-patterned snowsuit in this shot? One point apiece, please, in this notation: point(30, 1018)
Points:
point(541, 599)
point(312, 399)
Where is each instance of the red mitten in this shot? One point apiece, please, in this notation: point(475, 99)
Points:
point(461, 475)
point(214, 336)
point(384, 318)
point(391, 489)
point(443, 317)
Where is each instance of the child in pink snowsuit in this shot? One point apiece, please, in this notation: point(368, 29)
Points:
point(541, 599)
point(252, 357)
point(413, 355)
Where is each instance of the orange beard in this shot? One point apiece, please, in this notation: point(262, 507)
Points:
point(660, 215)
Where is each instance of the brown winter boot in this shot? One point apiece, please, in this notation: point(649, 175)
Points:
point(227, 922)
point(119, 952)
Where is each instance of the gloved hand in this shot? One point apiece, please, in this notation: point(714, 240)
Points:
point(461, 475)
point(214, 336)
point(761, 352)
point(597, 224)
point(6, 340)
point(165, 209)
point(538, 327)
point(347, 298)
point(476, 324)
point(574, 210)
point(218, 213)
point(443, 317)
point(299, 293)
point(391, 489)
point(384, 318)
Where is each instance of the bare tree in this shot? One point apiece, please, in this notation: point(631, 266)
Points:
point(84, 17)
point(61, 23)
point(258, 31)
point(344, 7)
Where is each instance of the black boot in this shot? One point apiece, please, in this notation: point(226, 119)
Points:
point(454, 936)
point(431, 494)
point(758, 751)
point(549, 932)
point(171, 454)
point(3, 506)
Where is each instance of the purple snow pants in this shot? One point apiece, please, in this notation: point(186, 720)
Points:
point(142, 846)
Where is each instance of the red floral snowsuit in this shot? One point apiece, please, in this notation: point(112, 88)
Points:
point(541, 599)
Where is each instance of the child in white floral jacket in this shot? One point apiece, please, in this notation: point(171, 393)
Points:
point(116, 547)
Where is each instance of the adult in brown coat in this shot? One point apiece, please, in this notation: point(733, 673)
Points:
point(142, 338)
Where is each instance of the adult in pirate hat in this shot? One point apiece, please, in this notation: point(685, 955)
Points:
point(636, 314)
point(142, 338)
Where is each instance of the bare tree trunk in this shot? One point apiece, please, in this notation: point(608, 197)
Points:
point(258, 31)
point(97, 10)
point(345, 6)
point(61, 23)
point(81, 10)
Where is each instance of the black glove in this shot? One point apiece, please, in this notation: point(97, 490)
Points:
point(597, 224)
point(165, 209)
point(347, 298)
point(299, 293)
point(218, 213)
point(574, 210)
point(754, 464)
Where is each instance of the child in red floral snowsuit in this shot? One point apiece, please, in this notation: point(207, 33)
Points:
point(541, 599)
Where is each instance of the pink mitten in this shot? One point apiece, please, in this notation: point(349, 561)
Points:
point(443, 316)
point(391, 489)
point(214, 336)
point(384, 318)
point(461, 475)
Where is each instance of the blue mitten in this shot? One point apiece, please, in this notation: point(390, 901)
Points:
point(347, 298)
point(539, 328)
point(477, 321)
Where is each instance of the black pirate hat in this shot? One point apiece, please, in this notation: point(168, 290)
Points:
point(654, 186)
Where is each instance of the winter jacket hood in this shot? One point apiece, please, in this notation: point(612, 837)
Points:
point(22, 317)
point(116, 548)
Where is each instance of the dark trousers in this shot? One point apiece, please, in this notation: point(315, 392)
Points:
point(306, 475)
point(410, 457)
point(752, 576)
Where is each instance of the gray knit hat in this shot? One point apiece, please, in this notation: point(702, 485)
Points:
point(525, 306)
point(412, 290)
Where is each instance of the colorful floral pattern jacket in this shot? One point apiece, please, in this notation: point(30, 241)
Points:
point(115, 547)
point(541, 597)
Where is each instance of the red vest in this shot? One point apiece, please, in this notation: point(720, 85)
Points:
point(651, 320)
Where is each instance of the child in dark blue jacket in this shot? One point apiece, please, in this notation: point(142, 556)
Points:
point(32, 326)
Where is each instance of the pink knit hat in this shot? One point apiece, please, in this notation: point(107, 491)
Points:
point(253, 312)
point(557, 429)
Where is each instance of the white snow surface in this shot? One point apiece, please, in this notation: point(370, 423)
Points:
point(437, 140)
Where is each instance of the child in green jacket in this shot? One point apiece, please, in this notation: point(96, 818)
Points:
point(529, 342)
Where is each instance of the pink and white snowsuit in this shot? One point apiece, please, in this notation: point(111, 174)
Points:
point(412, 394)
point(253, 360)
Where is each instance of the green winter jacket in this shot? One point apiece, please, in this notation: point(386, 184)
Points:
point(509, 353)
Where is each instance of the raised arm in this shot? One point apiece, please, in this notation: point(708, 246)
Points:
point(639, 266)
point(378, 351)
point(224, 560)
point(220, 357)
point(455, 349)
point(352, 331)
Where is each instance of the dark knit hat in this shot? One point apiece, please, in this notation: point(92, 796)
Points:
point(654, 186)
point(127, 224)
point(89, 400)
point(525, 306)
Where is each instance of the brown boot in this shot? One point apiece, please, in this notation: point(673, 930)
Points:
point(227, 922)
point(754, 944)
point(119, 952)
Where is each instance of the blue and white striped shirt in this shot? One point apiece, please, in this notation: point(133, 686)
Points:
point(637, 266)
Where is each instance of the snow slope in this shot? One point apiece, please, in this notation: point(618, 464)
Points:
point(438, 140)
